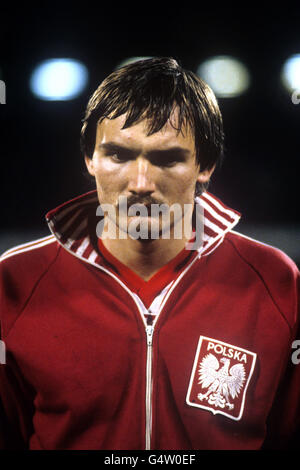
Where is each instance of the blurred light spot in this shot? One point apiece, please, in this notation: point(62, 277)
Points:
point(290, 74)
point(130, 60)
point(227, 76)
point(58, 79)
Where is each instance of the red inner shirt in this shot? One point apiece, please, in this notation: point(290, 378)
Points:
point(147, 290)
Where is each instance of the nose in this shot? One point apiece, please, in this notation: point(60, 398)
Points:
point(141, 177)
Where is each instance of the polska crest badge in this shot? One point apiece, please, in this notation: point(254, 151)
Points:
point(220, 377)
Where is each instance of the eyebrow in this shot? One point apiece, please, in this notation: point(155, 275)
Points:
point(112, 146)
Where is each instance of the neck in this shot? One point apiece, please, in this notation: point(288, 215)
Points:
point(144, 257)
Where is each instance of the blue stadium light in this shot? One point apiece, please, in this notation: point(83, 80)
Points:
point(227, 76)
point(290, 73)
point(58, 79)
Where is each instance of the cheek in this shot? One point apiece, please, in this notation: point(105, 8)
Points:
point(182, 184)
point(109, 179)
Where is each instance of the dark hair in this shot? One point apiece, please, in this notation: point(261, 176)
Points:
point(149, 89)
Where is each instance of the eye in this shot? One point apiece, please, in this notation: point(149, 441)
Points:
point(170, 162)
point(166, 161)
point(119, 157)
point(116, 157)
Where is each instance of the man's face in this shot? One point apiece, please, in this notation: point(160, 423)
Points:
point(156, 169)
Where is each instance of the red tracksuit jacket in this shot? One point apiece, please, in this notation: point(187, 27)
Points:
point(85, 369)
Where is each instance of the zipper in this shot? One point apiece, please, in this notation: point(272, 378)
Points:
point(149, 385)
point(149, 337)
point(149, 330)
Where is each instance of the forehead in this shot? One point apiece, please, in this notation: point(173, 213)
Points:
point(110, 130)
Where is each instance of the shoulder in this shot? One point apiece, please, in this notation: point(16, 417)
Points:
point(21, 269)
point(29, 257)
point(261, 255)
point(272, 267)
point(27, 247)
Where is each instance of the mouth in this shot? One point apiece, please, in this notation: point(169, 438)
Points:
point(137, 206)
point(140, 210)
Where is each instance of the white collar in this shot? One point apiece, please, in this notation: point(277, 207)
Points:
point(74, 224)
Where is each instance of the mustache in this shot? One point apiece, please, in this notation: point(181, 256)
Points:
point(140, 200)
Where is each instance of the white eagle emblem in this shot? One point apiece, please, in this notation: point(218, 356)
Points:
point(222, 383)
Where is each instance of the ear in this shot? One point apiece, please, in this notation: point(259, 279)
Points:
point(204, 176)
point(90, 165)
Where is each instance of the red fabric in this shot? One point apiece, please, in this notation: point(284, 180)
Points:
point(77, 348)
point(146, 290)
point(77, 351)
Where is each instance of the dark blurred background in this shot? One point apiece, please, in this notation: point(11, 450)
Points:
point(41, 164)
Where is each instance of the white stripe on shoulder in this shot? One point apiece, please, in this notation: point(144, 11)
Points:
point(227, 211)
point(214, 213)
point(28, 246)
point(251, 239)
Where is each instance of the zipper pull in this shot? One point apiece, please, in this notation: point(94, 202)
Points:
point(149, 333)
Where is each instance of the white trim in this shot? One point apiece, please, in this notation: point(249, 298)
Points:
point(154, 308)
point(229, 212)
point(214, 213)
point(92, 256)
point(206, 253)
point(75, 233)
point(82, 247)
point(34, 244)
point(214, 227)
point(155, 305)
point(253, 239)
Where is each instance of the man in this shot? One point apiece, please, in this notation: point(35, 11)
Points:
point(122, 334)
